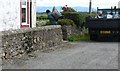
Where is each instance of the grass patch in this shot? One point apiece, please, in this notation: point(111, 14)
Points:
point(42, 23)
point(78, 37)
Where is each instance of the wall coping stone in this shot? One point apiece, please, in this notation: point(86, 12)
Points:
point(24, 30)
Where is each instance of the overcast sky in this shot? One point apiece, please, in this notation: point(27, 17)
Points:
point(83, 3)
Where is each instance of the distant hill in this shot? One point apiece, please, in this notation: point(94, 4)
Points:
point(77, 8)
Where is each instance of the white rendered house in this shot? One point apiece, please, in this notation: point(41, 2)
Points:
point(119, 4)
point(16, 14)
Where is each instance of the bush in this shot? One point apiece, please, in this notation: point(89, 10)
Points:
point(38, 18)
point(65, 22)
point(41, 16)
point(73, 16)
point(83, 16)
point(42, 23)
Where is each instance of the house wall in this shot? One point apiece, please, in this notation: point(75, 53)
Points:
point(9, 14)
point(119, 4)
point(33, 13)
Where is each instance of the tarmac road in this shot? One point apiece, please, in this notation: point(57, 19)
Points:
point(74, 55)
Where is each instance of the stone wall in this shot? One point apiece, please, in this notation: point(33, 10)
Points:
point(0, 53)
point(16, 43)
point(69, 30)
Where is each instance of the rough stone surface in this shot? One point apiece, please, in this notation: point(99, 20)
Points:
point(16, 43)
point(69, 30)
point(0, 52)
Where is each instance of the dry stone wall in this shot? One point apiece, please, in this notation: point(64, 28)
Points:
point(16, 43)
point(70, 30)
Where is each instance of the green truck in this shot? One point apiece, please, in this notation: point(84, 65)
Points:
point(105, 29)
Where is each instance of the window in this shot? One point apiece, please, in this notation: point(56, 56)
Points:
point(25, 13)
point(23, 2)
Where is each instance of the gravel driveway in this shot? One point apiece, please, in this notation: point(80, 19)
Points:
point(71, 55)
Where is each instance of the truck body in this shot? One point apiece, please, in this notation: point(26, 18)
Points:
point(105, 29)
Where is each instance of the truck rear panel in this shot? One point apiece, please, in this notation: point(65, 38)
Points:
point(104, 29)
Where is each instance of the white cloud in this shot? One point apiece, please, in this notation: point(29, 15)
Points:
point(84, 3)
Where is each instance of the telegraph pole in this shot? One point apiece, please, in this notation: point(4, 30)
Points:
point(90, 5)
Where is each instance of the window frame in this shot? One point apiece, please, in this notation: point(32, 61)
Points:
point(27, 16)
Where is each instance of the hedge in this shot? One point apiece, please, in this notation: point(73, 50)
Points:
point(66, 22)
point(73, 16)
point(79, 18)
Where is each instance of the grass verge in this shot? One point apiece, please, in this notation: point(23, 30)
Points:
point(78, 37)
